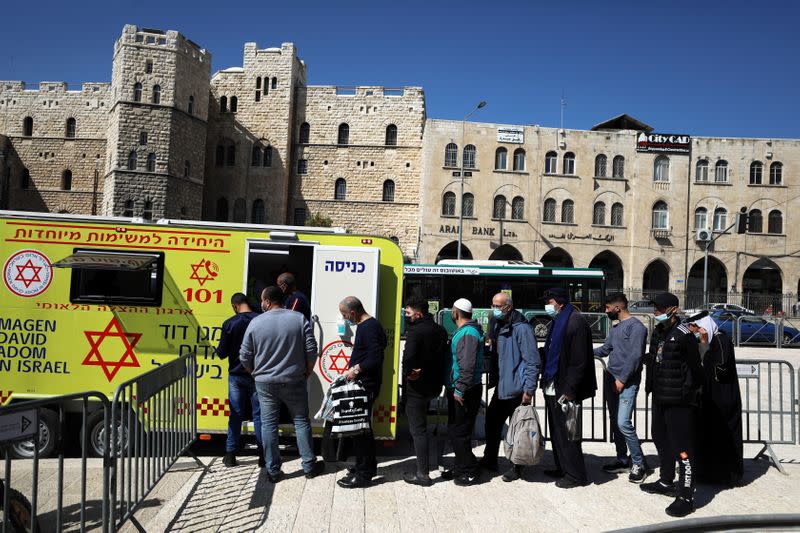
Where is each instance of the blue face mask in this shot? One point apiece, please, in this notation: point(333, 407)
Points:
point(661, 318)
point(497, 313)
point(550, 310)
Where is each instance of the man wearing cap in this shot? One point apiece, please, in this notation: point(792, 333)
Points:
point(674, 377)
point(464, 391)
point(567, 376)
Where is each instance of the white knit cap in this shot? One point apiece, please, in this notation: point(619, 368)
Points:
point(463, 304)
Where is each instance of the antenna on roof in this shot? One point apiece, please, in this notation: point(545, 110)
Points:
point(563, 105)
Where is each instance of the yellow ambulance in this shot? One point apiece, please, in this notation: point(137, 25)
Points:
point(90, 302)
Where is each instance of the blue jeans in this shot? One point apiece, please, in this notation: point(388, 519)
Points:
point(295, 396)
point(620, 411)
point(243, 405)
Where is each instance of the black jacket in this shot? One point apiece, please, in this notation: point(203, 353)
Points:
point(230, 341)
point(426, 349)
point(368, 351)
point(575, 376)
point(674, 372)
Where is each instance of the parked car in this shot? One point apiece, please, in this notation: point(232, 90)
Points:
point(753, 328)
point(733, 308)
point(641, 306)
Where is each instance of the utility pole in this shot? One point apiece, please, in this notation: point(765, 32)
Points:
point(481, 104)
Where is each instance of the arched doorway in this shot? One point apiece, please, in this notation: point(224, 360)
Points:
point(717, 283)
point(557, 257)
point(450, 251)
point(506, 252)
point(612, 266)
point(655, 279)
point(762, 286)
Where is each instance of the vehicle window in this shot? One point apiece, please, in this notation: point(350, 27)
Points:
point(116, 277)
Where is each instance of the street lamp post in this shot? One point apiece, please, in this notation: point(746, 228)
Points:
point(481, 104)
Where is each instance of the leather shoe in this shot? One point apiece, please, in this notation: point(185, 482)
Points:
point(354, 482)
point(555, 473)
point(316, 469)
point(446, 475)
point(416, 479)
point(568, 483)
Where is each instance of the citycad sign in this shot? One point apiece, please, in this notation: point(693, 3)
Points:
point(663, 143)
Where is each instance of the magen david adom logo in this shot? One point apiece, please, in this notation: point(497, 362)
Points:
point(27, 273)
point(334, 360)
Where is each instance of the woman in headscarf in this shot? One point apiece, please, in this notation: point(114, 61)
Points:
point(720, 431)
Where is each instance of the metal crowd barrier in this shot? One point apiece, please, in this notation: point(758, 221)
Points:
point(755, 522)
point(20, 422)
point(154, 423)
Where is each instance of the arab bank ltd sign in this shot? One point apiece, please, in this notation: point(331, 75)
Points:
point(663, 143)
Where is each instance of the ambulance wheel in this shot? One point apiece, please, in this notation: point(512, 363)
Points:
point(97, 434)
point(48, 432)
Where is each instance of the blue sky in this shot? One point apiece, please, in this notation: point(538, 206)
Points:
point(703, 68)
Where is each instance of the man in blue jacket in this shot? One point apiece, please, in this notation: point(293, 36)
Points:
point(515, 372)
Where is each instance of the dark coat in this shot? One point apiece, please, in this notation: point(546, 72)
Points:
point(575, 376)
point(426, 348)
point(674, 373)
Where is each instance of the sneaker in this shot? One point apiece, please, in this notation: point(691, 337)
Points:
point(659, 487)
point(275, 478)
point(680, 507)
point(487, 463)
point(316, 469)
point(617, 467)
point(229, 459)
point(446, 475)
point(512, 474)
point(465, 480)
point(638, 474)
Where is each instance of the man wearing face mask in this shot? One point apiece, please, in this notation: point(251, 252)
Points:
point(515, 361)
point(425, 359)
point(624, 347)
point(674, 377)
point(567, 376)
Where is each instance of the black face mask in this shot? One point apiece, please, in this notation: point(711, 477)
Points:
point(613, 315)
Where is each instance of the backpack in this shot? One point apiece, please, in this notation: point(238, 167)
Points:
point(524, 442)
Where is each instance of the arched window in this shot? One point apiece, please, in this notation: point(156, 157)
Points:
point(239, 210)
point(230, 158)
point(701, 218)
point(132, 160)
point(255, 157)
point(151, 162)
point(223, 104)
point(156, 94)
point(519, 160)
point(274, 83)
point(391, 135)
point(340, 189)
point(701, 170)
point(147, 211)
point(721, 171)
point(660, 216)
point(451, 155)
point(617, 212)
point(222, 210)
point(569, 163)
point(619, 167)
point(501, 159)
point(469, 156)
point(449, 204)
point(775, 222)
point(518, 208)
point(305, 133)
point(499, 210)
point(661, 168)
point(599, 214)
point(268, 156)
point(219, 160)
point(468, 205)
point(755, 223)
point(388, 191)
point(720, 219)
point(128, 212)
point(344, 134)
point(191, 105)
point(234, 105)
point(600, 163)
point(257, 216)
point(551, 163)
point(258, 82)
point(776, 173)
point(25, 179)
point(137, 92)
point(756, 172)
point(66, 180)
point(568, 212)
point(70, 130)
point(549, 213)
point(27, 127)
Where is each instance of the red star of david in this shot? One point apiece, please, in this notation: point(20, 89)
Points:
point(202, 278)
point(96, 338)
point(23, 268)
point(342, 358)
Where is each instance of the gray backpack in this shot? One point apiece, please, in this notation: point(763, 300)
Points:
point(524, 441)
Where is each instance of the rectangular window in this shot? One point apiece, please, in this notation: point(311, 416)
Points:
point(302, 166)
point(148, 67)
point(143, 138)
point(299, 217)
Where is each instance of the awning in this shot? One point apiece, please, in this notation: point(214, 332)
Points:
point(107, 260)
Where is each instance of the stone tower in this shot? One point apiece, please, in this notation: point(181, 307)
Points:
point(157, 125)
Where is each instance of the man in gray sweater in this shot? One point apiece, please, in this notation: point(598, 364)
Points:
point(624, 347)
point(279, 350)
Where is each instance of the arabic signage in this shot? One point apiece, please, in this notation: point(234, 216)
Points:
point(511, 134)
point(669, 143)
point(588, 237)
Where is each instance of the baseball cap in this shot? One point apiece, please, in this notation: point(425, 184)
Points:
point(665, 300)
point(463, 304)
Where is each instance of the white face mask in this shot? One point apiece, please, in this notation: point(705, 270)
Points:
point(550, 310)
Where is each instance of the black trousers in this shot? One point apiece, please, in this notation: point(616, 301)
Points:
point(460, 425)
point(568, 454)
point(673, 435)
point(496, 415)
point(366, 464)
point(417, 414)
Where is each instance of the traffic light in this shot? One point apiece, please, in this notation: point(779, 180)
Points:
point(741, 221)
